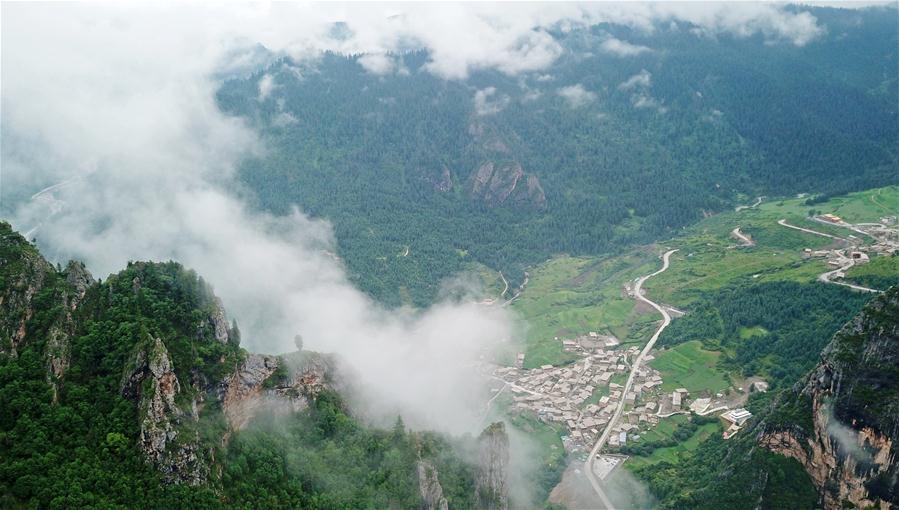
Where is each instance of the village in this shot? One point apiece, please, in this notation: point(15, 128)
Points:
point(583, 396)
point(883, 237)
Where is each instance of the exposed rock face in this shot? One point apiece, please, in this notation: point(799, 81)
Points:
point(242, 394)
point(506, 182)
point(174, 450)
point(252, 388)
point(442, 182)
point(79, 278)
point(219, 322)
point(431, 490)
point(491, 484)
point(17, 294)
point(850, 451)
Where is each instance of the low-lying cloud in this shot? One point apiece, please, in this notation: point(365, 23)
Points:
point(576, 95)
point(117, 102)
point(621, 48)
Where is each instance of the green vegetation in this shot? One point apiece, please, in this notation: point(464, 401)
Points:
point(570, 296)
point(363, 149)
point(77, 443)
point(673, 439)
point(799, 319)
point(689, 366)
point(880, 273)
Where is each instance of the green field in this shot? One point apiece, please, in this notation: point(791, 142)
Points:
point(880, 273)
point(689, 366)
point(567, 296)
point(672, 454)
point(709, 260)
point(570, 296)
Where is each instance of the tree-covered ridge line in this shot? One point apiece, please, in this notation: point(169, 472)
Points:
point(658, 140)
point(100, 368)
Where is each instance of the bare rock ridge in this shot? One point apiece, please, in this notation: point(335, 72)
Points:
point(264, 382)
point(431, 490)
point(491, 484)
point(850, 450)
point(506, 182)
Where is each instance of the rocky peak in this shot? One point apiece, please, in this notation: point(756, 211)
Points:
point(174, 450)
point(79, 279)
point(25, 273)
point(219, 321)
point(431, 490)
point(491, 483)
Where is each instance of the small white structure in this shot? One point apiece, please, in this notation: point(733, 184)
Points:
point(737, 416)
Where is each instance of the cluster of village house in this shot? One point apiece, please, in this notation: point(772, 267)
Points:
point(884, 234)
point(562, 394)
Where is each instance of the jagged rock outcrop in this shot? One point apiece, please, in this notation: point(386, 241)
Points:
point(431, 491)
point(852, 397)
point(219, 321)
point(272, 384)
point(79, 279)
point(441, 181)
point(173, 449)
point(59, 336)
point(19, 291)
point(506, 182)
point(491, 482)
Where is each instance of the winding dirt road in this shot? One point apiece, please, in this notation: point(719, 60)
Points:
point(666, 320)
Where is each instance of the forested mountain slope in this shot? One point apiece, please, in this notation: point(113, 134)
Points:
point(601, 150)
point(134, 393)
point(830, 440)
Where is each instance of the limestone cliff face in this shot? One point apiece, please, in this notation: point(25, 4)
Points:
point(850, 448)
point(18, 292)
point(173, 448)
point(491, 483)
point(273, 385)
point(431, 490)
point(506, 182)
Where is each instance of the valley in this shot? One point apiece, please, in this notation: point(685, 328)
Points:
point(602, 339)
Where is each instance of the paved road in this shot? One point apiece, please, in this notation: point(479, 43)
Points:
point(666, 320)
point(810, 231)
point(826, 277)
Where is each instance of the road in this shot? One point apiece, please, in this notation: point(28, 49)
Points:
point(666, 320)
point(527, 278)
point(809, 231)
point(826, 277)
point(758, 200)
point(742, 237)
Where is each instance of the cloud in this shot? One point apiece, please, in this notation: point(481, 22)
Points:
point(377, 63)
point(576, 95)
point(484, 106)
point(149, 164)
point(642, 79)
point(134, 130)
point(266, 85)
point(621, 48)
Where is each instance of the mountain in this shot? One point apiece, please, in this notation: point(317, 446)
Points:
point(829, 441)
point(597, 152)
point(134, 392)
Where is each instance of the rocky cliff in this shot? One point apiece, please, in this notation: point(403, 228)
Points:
point(491, 482)
point(431, 491)
point(842, 422)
